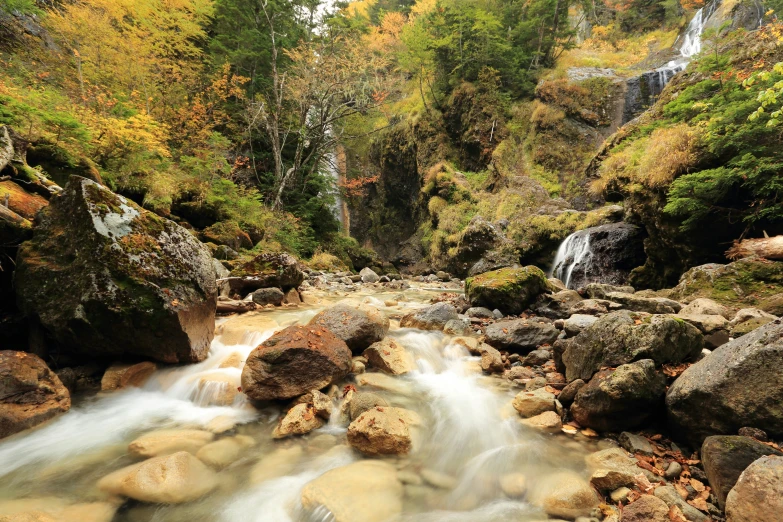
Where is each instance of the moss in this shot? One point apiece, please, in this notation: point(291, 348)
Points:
point(511, 290)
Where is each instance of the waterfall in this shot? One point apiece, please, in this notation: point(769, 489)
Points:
point(573, 251)
point(333, 172)
point(643, 90)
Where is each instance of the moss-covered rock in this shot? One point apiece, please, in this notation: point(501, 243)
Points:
point(227, 233)
point(748, 282)
point(272, 269)
point(20, 201)
point(510, 290)
point(106, 278)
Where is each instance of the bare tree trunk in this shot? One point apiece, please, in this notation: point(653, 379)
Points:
point(766, 247)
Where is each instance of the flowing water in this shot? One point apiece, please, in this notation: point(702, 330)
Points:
point(573, 254)
point(470, 434)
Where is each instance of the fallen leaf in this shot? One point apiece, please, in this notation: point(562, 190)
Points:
point(697, 485)
point(588, 432)
point(675, 515)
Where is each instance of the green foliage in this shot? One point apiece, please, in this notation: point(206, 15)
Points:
point(20, 6)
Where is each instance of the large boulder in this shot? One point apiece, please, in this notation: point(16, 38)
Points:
point(758, 494)
point(622, 337)
point(294, 361)
point(358, 325)
point(172, 479)
point(605, 254)
point(510, 290)
point(105, 277)
point(432, 317)
point(271, 269)
point(365, 491)
point(520, 335)
point(748, 282)
point(621, 399)
point(30, 393)
point(725, 457)
point(739, 384)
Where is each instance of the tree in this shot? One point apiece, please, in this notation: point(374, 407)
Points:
point(328, 79)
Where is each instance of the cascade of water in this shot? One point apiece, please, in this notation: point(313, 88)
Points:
point(573, 251)
point(333, 172)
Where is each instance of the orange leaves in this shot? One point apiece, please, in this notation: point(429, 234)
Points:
point(674, 370)
point(356, 187)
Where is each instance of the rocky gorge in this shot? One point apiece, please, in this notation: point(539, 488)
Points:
point(552, 294)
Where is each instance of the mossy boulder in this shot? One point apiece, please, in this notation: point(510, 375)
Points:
point(20, 201)
point(748, 282)
point(623, 337)
point(510, 290)
point(106, 278)
point(229, 234)
point(271, 269)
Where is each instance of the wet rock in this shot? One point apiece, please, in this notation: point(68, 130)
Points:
point(535, 383)
point(749, 282)
point(568, 394)
point(635, 444)
point(532, 403)
point(382, 431)
point(510, 290)
point(365, 401)
point(459, 326)
point(518, 372)
point(368, 276)
point(165, 442)
point(608, 480)
point(267, 270)
point(365, 491)
point(520, 335)
point(622, 337)
point(358, 325)
point(758, 494)
point(549, 422)
point(513, 485)
point(216, 389)
point(437, 479)
point(574, 325)
point(601, 290)
point(564, 494)
point(389, 357)
point(173, 479)
point(267, 296)
point(670, 496)
point(611, 458)
point(725, 457)
point(279, 463)
point(299, 420)
point(30, 393)
point(51, 509)
point(322, 404)
point(646, 508)
point(432, 317)
point(294, 361)
point(737, 385)
point(224, 452)
point(292, 297)
point(124, 375)
point(491, 360)
point(620, 399)
point(105, 277)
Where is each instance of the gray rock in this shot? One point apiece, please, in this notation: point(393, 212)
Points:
point(622, 337)
point(368, 276)
point(267, 270)
point(432, 317)
point(520, 335)
point(673, 470)
point(725, 457)
point(600, 290)
point(739, 384)
point(636, 444)
point(458, 326)
point(574, 325)
point(358, 325)
point(537, 358)
point(480, 312)
point(364, 401)
point(640, 304)
point(758, 494)
point(620, 399)
point(265, 296)
point(704, 306)
point(568, 394)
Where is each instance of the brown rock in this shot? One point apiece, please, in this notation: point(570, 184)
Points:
point(166, 442)
point(122, 375)
point(299, 420)
point(30, 393)
point(646, 509)
point(382, 431)
point(389, 357)
point(20, 201)
point(359, 326)
point(294, 361)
